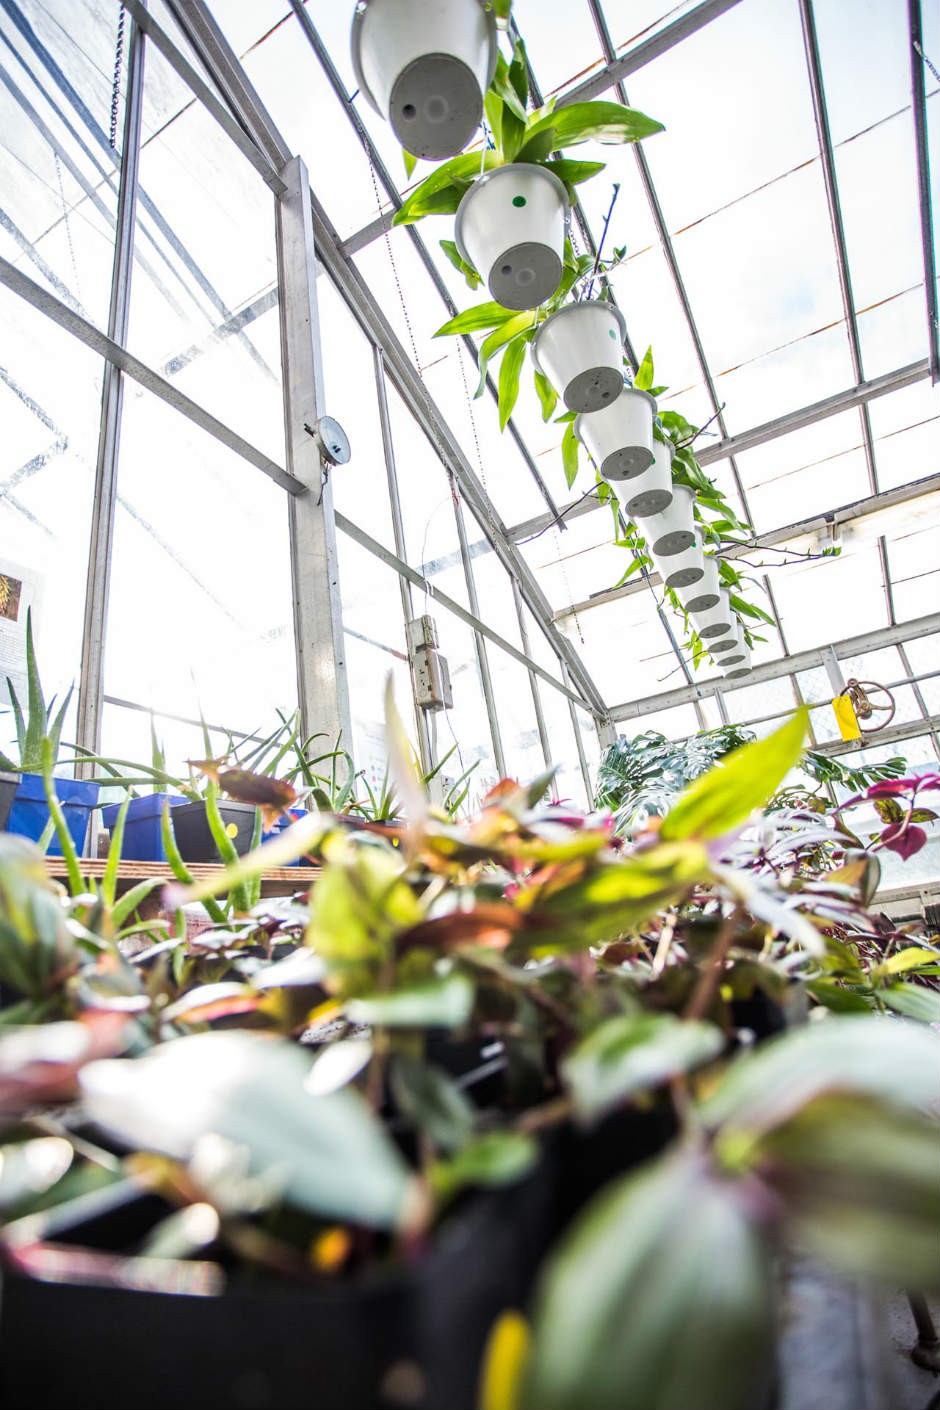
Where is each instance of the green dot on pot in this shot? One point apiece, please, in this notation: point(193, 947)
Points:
point(518, 200)
point(612, 333)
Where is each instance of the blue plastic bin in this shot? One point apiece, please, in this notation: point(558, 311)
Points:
point(284, 821)
point(142, 839)
point(30, 812)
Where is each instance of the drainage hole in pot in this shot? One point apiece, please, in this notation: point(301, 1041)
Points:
point(409, 110)
point(506, 269)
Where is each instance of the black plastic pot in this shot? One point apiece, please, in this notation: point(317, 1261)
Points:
point(9, 783)
point(408, 1336)
point(194, 837)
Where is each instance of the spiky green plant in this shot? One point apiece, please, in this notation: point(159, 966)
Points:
point(37, 722)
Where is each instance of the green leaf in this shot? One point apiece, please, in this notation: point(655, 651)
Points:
point(439, 1003)
point(904, 960)
point(860, 1184)
point(633, 1052)
point(410, 162)
point(510, 369)
point(913, 1002)
point(538, 146)
point(469, 273)
point(548, 397)
point(873, 1056)
point(431, 1099)
point(441, 192)
point(519, 323)
point(644, 373)
point(329, 1153)
point(570, 454)
point(599, 121)
point(573, 173)
point(659, 1298)
point(496, 1158)
point(743, 781)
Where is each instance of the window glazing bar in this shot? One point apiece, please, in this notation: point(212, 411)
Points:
point(787, 665)
point(104, 502)
point(483, 663)
point(138, 371)
point(533, 683)
point(919, 104)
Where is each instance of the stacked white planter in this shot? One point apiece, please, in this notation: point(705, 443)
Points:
point(681, 570)
point(580, 350)
point(650, 492)
point(424, 65)
point(673, 530)
point(511, 227)
point(702, 595)
point(719, 646)
point(715, 621)
point(737, 663)
point(620, 438)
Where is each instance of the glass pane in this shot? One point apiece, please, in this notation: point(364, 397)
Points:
point(48, 452)
point(204, 286)
point(200, 606)
point(57, 171)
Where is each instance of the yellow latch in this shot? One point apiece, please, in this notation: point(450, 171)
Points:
point(846, 718)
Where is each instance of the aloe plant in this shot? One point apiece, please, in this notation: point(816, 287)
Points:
point(37, 722)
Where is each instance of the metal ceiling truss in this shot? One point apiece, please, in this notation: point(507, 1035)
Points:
point(788, 665)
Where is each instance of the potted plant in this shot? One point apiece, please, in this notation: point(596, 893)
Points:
point(650, 492)
point(672, 530)
point(703, 593)
point(29, 808)
point(337, 1212)
point(512, 202)
point(425, 68)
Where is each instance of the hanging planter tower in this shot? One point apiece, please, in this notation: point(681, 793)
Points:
point(620, 438)
point(424, 65)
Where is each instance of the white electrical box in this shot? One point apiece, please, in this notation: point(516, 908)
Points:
point(428, 667)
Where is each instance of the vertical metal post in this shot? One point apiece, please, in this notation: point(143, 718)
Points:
point(919, 108)
point(533, 683)
point(722, 707)
point(91, 680)
point(425, 745)
point(606, 732)
point(918, 696)
point(579, 745)
point(322, 689)
point(486, 680)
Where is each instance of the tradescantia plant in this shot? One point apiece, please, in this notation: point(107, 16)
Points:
point(526, 137)
point(609, 975)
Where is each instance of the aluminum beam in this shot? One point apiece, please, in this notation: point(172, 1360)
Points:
point(789, 665)
point(892, 734)
point(919, 106)
point(322, 689)
point(533, 683)
point(618, 69)
point(138, 371)
point(418, 580)
point(204, 93)
point(425, 743)
point(104, 501)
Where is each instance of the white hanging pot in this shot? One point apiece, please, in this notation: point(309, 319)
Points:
point(651, 491)
point(719, 646)
point(716, 621)
point(620, 438)
point(702, 595)
point(511, 227)
point(424, 65)
point(680, 570)
point(740, 652)
point(673, 530)
point(580, 350)
point(734, 667)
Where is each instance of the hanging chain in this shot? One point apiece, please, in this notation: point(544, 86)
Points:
point(68, 226)
point(116, 83)
point(927, 61)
